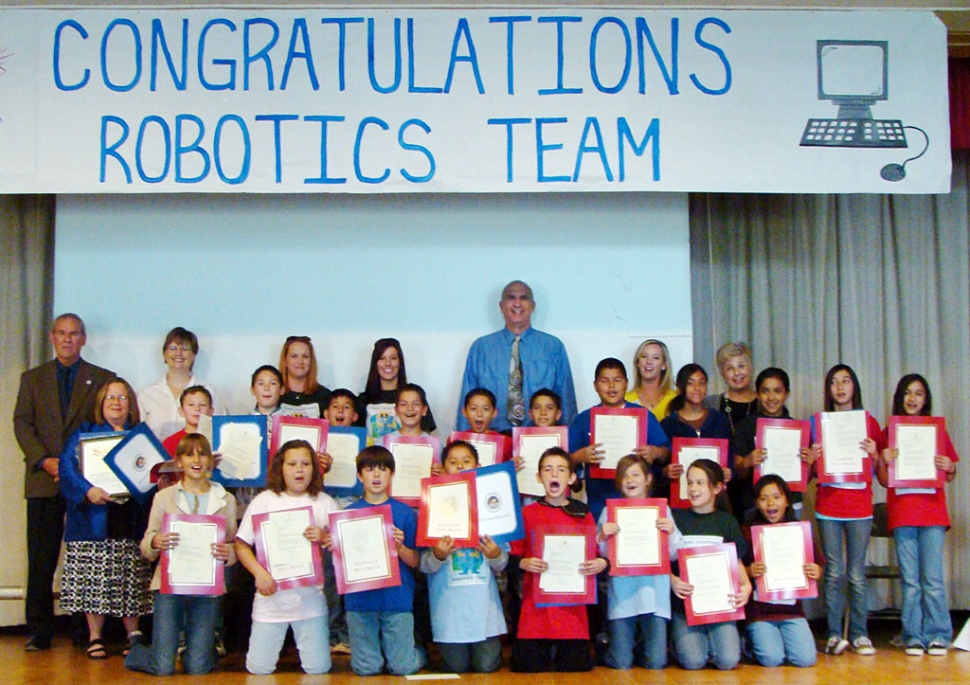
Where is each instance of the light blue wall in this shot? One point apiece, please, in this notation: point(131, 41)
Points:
point(245, 271)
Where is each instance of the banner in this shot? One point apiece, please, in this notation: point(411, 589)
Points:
point(472, 100)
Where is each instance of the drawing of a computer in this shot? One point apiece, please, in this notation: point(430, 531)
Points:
point(854, 75)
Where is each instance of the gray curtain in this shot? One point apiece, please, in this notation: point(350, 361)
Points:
point(879, 282)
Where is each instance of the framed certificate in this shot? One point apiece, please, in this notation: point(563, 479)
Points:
point(499, 504)
point(286, 428)
point(413, 457)
point(843, 459)
point(491, 448)
point(620, 431)
point(919, 439)
point(713, 571)
point(449, 506)
point(564, 548)
point(242, 447)
point(344, 443)
point(688, 450)
point(784, 548)
point(364, 553)
point(189, 568)
point(284, 552)
point(783, 440)
point(529, 444)
point(640, 548)
point(133, 459)
point(92, 450)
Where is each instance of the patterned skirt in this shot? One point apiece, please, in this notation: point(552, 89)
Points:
point(108, 577)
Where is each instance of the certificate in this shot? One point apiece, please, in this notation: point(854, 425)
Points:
point(449, 507)
point(686, 451)
point(286, 428)
point(640, 548)
point(283, 550)
point(92, 450)
point(133, 459)
point(344, 443)
point(364, 553)
point(619, 431)
point(499, 504)
point(783, 440)
point(918, 439)
point(784, 548)
point(529, 444)
point(189, 568)
point(564, 548)
point(843, 458)
point(413, 457)
point(491, 448)
point(713, 571)
point(242, 446)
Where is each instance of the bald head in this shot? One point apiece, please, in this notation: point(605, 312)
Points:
point(517, 305)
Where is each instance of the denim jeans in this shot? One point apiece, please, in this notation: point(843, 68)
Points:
point(844, 544)
point(772, 643)
point(695, 646)
point(926, 615)
point(649, 651)
point(199, 615)
point(378, 636)
point(474, 657)
point(311, 640)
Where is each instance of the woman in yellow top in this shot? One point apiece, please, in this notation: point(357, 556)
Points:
point(652, 378)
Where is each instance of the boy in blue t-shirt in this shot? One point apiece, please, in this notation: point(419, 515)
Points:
point(384, 618)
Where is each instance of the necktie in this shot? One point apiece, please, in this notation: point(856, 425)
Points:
point(65, 382)
point(516, 403)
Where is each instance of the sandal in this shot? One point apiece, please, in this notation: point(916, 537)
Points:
point(135, 637)
point(96, 650)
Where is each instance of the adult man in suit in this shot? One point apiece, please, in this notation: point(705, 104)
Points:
point(54, 399)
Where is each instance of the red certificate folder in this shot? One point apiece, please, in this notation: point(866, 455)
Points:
point(463, 504)
point(302, 578)
point(715, 449)
point(726, 552)
point(803, 587)
point(804, 430)
point(638, 413)
point(364, 553)
point(937, 422)
point(492, 448)
point(629, 506)
point(170, 584)
point(285, 428)
point(533, 438)
point(825, 476)
point(587, 595)
point(408, 496)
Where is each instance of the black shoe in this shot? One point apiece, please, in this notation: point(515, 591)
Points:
point(37, 644)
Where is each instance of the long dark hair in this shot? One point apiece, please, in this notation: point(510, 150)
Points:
point(373, 386)
point(899, 396)
point(829, 403)
point(763, 482)
point(686, 371)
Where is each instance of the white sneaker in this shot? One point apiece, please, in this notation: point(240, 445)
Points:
point(836, 645)
point(936, 649)
point(863, 646)
point(914, 650)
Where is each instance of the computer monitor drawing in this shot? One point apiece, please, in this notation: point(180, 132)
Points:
point(853, 74)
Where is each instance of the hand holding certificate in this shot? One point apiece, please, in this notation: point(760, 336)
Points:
point(567, 552)
point(685, 451)
point(92, 450)
point(784, 549)
point(619, 431)
point(413, 457)
point(189, 567)
point(344, 443)
point(449, 508)
point(640, 547)
point(918, 440)
point(283, 549)
point(783, 440)
point(844, 459)
point(529, 444)
point(364, 553)
point(240, 442)
point(713, 572)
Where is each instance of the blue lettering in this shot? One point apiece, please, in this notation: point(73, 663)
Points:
point(560, 57)
point(372, 58)
point(509, 150)
point(701, 25)
point(342, 43)
point(416, 148)
point(57, 66)
point(262, 54)
point(623, 133)
point(323, 178)
point(159, 40)
point(542, 148)
point(139, 145)
point(181, 149)
point(472, 58)
point(592, 124)
point(299, 28)
point(112, 149)
point(247, 150)
point(411, 87)
point(367, 121)
point(509, 45)
point(592, 55)
point(669, 76)
point(136, 54)
point(229, 83)
point(277, 136)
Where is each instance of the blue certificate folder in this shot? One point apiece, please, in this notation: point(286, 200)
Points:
point(255, 423)
point(133, 458)
point(357, 489)
point(499, 504)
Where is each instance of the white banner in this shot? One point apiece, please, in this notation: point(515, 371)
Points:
point(500, 100)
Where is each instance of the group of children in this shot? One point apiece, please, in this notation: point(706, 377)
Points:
point(630, 627)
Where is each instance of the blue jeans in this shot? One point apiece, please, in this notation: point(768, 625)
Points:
point(771, 643)
point(199, 615)
point(695, 646)
point(844, 544)
point(652, 643)
point(475, 657)
point(926, 616)
point(311, 639)
point(379, 635)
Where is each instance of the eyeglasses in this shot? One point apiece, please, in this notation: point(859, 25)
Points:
point(298, 338)
point(120, 398)
point(177, 348)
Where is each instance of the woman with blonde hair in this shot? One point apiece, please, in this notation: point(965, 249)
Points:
point(740, 399)
point(653, 386)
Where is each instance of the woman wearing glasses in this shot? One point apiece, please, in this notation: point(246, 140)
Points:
point(302, 393)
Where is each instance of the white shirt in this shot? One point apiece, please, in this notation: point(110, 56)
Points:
point(160, 409)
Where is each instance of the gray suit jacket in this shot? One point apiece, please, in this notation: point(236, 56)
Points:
point(38, 424)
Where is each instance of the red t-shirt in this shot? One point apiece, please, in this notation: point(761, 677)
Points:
point(848, 503)
point(172, 442)
point(919, 508)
